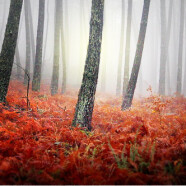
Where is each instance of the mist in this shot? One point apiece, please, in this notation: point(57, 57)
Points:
point(76, 17)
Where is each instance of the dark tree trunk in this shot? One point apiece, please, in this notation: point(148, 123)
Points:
point(85, 104)
point(55, 74)
point(9, 45)
point(180, 54)
point(127, 48)
point(118, 86)
point(39, 47)
point(137, 61)
point(28, 49)
point(63, 90)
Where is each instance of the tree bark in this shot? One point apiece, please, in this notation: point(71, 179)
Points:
point(180, 54)
point(36, 83)
point(8, 47)
point(127, 48)
point(85, 104)
point(118, 86)
point(55, 74)
point(137, 61)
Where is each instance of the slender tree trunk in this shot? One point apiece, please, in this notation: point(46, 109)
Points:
point(180, 55)
point(31, 32)
point(85, 104)
point(127, 48)
point(39, 47)
point(63, 90)
point(18, 63)
point(28, 49)
point(163, 43)
point(168, 31)
point(3, 23)
point(55, 74)
point(9, 45)
point(137, 61)
point(46, 35)
point(118, 86)
point(165, 38)
point(81, 61)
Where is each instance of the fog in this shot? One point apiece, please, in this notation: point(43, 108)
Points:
point(76, 17)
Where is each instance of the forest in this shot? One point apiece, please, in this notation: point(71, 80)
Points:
point(92, 92)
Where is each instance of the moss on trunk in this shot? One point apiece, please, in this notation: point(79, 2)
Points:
point(85, 104)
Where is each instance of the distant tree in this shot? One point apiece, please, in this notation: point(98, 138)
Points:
point(180, 54)
point(32, 37)
point(46, 35)
point(118, 86)
point(8, 47)
point(55, 73)
point(165, 37)
point(39, 47)
point(28, 49)
point(18, 63)
point(85, 104)
point(168, 27)
point(4, 20)
point(127, 101)
point(63, 90)
point(127, 48)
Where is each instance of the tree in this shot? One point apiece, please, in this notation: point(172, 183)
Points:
point(39, 47)
point(85, 104)
point(180, 54)
point(9, 45)
point(165, 37)
point(18, 63)
point(118, 86)
point(28, 49)
point(63, 54)
point(31, 31)
point(127, 47)
point(137, 61)
point(4, 20)
point(55, 73)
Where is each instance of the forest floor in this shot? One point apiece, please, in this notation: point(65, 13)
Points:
point(143, 145)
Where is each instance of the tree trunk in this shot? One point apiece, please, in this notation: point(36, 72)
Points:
point(18, 63)
point(127, 48)
point(180, 54)
point(118, 86)
point(4, 20)
point(8, 47)
point(165, 37)
point(31, 32)
point(63, 90)
point(137, 61)
point(168, 31)
point(55, 74)
point(28, 49)
point(39, 47)
point(85, 104)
